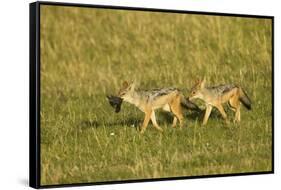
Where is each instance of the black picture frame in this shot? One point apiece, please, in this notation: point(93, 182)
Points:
point(34, 91)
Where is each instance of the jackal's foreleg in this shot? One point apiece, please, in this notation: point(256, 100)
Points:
point(207, 114)
point(154, 122)
point(146, 120)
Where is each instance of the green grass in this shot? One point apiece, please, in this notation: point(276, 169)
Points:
point(88, 53)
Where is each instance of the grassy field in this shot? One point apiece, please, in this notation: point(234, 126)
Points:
point(86, 54)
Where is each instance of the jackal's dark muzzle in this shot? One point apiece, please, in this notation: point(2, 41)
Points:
point(115, 102)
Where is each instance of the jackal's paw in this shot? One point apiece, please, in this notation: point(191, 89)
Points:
point(141, 129)
point(236, 121)
point(160, 130)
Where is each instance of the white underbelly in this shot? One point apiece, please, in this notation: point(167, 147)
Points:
point(166, 107)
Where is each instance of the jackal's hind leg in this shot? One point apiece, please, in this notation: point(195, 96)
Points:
point(174, 122)
point(237, 115)
point(235, 106)
point(146, 120)
point(154, 122)
point(177, 110)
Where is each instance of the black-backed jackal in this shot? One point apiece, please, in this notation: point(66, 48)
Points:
point(218, 95)
point(168, 99)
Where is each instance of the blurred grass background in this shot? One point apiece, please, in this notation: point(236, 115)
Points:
point(87, 53)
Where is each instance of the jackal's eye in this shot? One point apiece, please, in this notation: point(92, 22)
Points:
point(193, 92)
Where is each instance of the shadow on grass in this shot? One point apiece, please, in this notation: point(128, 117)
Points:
point(195, 115)
point(199, 115)
point(161, 117)
point(129, 122)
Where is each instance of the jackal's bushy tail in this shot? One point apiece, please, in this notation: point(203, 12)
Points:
point(243, 97)
point(188, 104)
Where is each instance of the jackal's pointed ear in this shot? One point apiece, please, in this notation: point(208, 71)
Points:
point(125, 84)
point(197, 81)
point(203, 83)
point(132, 85)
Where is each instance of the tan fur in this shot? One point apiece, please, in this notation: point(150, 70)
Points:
point(216, 97)
point(148, 102)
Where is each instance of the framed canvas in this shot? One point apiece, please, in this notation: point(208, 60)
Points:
point(121, 94)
